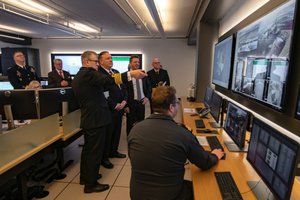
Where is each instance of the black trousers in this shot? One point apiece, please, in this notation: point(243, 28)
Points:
point(91, 155)
point(113, 133)
point(136, 114)
point(116, 130)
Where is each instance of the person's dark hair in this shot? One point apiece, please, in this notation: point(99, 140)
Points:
point(101, 54)
point(162, 98)
point(134, 56)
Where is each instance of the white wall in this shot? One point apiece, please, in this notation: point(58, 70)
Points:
point(175, 55)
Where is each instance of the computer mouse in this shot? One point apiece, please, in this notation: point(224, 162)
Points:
point(224, 156)
point(206, 131)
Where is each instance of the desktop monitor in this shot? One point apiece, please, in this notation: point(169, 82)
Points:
point(51, 101)
point(215, 109)
point(235, 126)
point(275, 157)
point(5, 85)
point(297, 113)
point(22, 103)
point(208, 96)
point(222, 62)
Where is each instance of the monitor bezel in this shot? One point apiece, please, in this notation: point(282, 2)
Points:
point(216, 118)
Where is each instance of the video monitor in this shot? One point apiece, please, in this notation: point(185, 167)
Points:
point(222, 62)
point(263, 47)
point(22, 103)
point(72, 62)
point(208, 96)
point(5, 85)
point(235, 126)
point(215, 109)
point(51, 101)
point(297, 113)
point(275, 157)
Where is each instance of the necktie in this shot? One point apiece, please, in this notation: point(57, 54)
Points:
point(138, 89)
point(110, 72)
point(61, 74)
point(157, 72)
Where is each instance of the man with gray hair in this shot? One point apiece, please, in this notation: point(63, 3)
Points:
point(59, 77)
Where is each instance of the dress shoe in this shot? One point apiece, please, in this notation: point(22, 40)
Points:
point(96, 188)
point(82, 182)
point(107, 164)
point(118, 155)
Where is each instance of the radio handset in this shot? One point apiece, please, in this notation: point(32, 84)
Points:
point(204, 112)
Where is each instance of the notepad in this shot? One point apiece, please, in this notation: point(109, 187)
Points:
point(202, 140)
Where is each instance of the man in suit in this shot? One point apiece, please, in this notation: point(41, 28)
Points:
point(139, 92)
point(116, 96)
point(21, 74)
point(157, 76)
point(95, 116)
point(59, 77)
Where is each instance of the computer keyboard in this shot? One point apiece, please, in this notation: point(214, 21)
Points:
point(199, 123)
point(227, 186)
point(214, 143)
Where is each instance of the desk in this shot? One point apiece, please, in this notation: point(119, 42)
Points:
point(204, 183)
point(22, 147)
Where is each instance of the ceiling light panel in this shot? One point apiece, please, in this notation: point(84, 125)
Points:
point(14, 29)
point(30, 6)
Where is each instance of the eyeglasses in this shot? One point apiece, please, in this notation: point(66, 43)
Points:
point(96, 61)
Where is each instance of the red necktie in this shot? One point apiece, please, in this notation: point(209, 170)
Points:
point(61, 74)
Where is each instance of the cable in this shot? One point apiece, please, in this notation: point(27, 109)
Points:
point(251, 189)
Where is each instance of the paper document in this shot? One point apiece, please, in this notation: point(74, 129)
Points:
point(189, 110)
point(202, 140)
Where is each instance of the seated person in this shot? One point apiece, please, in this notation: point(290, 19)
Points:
point(59, 77)
point(34, 85)
point(158, 149)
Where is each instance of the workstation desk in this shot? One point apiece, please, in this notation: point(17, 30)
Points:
point(23, 147)
point(204, 182)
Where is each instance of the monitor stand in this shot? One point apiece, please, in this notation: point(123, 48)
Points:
point(232, 147)
point(260, 190)
point(215, 125)
point(9, 117)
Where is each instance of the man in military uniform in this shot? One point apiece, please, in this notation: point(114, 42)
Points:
point(21, 74)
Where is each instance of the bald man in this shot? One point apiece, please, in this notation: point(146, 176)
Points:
point(157, 76)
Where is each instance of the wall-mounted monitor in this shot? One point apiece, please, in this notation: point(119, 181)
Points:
point(72, 62)
point(262, 56)
point(222, 62)
point(275, 157)
point(235, 126)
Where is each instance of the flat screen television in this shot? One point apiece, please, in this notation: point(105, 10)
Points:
point(275, 158)
point(208, 96)
point(216, 109)
point(223, 62)
point(262, 55)
point(22, 103)
point(51, 101)
point(236, 123)
point(72, 62)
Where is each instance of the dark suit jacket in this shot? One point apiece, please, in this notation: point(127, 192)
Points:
point(155, 78)
point(146, 89)
point(88, 86)
point(19, 77)
point(54, 79)
point(116, 94)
